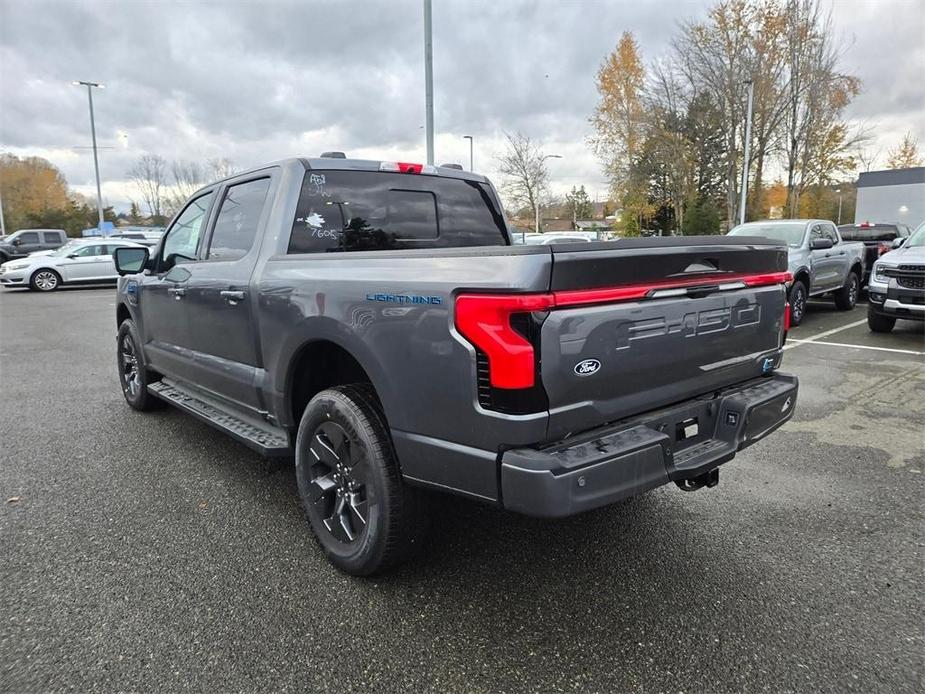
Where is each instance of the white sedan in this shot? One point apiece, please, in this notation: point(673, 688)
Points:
point(82, 262)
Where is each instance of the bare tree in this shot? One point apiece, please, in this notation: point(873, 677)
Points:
point(523, 166)
point(818, 143)
point(149, 174)
point(217, 169)
point(187, 178)
point(867, 156)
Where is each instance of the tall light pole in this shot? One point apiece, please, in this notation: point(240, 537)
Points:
point(748, 140)
point(471, 165)
point(429, 80)
point(96, 160)
point(536, 200)
point(838, 190)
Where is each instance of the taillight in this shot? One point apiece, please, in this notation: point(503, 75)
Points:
point(485, 320)
point(786, 320)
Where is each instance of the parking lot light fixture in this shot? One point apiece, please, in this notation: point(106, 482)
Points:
point(96, 161)
point(471, 165)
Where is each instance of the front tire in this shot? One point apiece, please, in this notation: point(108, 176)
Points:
point(44, 280)
point(798, 297)
point(134, 375)
point(847, 297)
point(878, 323)
point(364, 517)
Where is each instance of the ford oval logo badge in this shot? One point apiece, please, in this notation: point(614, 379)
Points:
point(587, 367)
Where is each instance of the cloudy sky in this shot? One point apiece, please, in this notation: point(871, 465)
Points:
point(257, 81)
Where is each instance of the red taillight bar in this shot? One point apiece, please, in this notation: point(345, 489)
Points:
point(485, 319)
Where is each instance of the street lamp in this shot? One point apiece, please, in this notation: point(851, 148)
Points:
point(469, 137)
point(838, 190)
point(748, 138)
point(96, 161)
point(536, 200)
point(429, 81)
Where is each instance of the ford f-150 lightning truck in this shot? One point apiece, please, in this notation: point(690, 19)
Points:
point(373, 321)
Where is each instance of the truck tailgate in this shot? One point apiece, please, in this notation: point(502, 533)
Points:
point(638, 327)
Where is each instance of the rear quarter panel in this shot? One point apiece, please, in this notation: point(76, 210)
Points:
point(392, 310)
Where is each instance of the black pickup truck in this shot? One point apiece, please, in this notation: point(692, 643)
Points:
point(373, 320)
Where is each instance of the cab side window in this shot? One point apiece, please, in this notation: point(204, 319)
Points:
point(236, 224)
point(52, 237)
point(828, 232)
point(29, 237)
point(182, 242)
point(88, 251)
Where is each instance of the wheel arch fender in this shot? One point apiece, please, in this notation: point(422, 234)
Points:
point(320, 330)
point(802, 274)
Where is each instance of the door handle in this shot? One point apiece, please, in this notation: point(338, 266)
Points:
point(233, 296)
point(178, 292)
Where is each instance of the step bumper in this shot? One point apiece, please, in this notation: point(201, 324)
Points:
point(611, 463)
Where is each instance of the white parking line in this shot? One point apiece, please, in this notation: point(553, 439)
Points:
point(797, 343)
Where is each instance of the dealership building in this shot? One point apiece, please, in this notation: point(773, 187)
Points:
point(897, 195)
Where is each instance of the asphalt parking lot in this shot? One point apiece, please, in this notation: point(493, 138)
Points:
point(149, 552)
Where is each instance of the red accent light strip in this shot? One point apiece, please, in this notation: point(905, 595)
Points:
point(576, 297)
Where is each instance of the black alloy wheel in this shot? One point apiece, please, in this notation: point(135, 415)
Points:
point(338, 482)
point(797, 303)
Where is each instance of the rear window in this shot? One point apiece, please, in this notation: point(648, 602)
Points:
point(370, 210)
point(877, 232)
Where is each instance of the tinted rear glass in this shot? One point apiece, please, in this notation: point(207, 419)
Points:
point(878, 232)
point(369, 210)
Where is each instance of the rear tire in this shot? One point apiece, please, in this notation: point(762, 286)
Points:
point(364, 517)
point(44, 280)
point(847, 297)
point(798, 297)
point(878, 323)
point(134, 375)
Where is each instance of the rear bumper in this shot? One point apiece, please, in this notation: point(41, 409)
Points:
point(605, 465)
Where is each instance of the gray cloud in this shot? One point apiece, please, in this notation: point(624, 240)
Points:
point(259, 81)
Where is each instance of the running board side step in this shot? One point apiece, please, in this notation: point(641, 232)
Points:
point(263, 437)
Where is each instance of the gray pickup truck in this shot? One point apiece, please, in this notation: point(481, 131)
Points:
point(820, 261)
point(372, 320)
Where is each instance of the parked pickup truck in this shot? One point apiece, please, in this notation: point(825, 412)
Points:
point(373, 320)
point(25, 241)
point(819, 260)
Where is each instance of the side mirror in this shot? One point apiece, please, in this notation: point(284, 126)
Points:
point(16, 242)
point(821, 244)
point(71, 256)
point(897, 243)
point(130, 261)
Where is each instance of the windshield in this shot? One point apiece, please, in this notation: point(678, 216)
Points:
point(788, 232)
point(917, 238)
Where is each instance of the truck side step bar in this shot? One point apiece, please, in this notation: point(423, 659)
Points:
point(263, 437)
